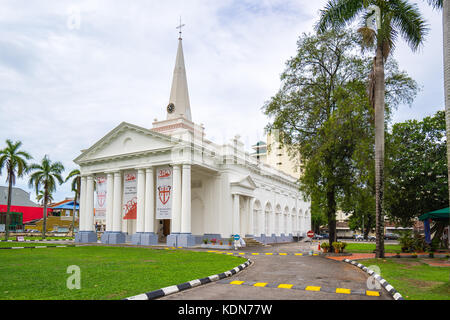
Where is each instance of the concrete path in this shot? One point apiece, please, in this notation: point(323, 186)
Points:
point(285, 277)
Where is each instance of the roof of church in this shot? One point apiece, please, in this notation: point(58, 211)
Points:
point(179, 94)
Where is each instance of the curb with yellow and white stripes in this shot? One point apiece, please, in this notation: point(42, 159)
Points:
point(394, 293)
point(188, 285)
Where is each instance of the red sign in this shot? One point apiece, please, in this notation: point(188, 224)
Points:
point(310, 234)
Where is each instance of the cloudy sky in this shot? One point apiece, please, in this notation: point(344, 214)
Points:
point(71, 71)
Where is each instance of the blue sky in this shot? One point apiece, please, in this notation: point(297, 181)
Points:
point(71, 71)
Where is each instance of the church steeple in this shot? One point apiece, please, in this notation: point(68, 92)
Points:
point(179, 105)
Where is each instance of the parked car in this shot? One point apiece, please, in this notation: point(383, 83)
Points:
point(317, 236)
point(371, 238)
point(391, 236)
point(325, 235)
point(358, 237)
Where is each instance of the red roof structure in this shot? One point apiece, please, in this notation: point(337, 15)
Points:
point(29, 213)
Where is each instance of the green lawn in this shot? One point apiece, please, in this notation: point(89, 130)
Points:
point(414, 279)
point(106, 272)
point(370, 247)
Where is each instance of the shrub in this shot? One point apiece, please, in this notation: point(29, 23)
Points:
point(205, 241)
point(213, 241)
point(406, 241)
point(342, 246)
point(325, 245)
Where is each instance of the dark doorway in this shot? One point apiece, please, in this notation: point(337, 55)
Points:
point(166, 228)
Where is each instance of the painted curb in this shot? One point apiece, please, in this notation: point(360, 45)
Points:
point(188, 285)
point(39, 247)
point(389, 288)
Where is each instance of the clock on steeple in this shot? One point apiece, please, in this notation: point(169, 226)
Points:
point(170, 108)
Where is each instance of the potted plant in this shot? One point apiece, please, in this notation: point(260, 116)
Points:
point(230, 241)
point(336, 246)
point(325, 246)
point(221, 242)
point(213, 241)
point(205, 241)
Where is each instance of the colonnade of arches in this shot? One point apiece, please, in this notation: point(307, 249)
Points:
point(269, 219)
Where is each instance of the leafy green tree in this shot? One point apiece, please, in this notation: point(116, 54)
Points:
point(445, 6)
point(45, 175)
point(76, 185)
point(322, 113)
point(416, 168)
point(318, 216)
point(15, 162)
point(393, 17)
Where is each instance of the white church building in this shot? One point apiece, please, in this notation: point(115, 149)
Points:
point(169, 184)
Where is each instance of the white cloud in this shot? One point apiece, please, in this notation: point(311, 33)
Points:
point(65, 84)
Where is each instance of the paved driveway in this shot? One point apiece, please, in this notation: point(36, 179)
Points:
point(262, 280)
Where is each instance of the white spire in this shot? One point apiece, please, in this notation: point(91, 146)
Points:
point(179, 105)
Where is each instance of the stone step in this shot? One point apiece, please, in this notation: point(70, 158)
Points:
point(250, 242)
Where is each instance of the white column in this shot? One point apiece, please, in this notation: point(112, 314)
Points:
point(186, 200)
point(236, 214)
point(90, 204)
point(109, 201)
point(117, 206)
point(140, 207)
point(251, 221)
point(176, 200)
point(82, 210)
point(149, 221)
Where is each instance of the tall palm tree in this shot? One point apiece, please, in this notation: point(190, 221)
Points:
point(16, 166)
point(76, 185)
point(45, 175)
point(394, 17)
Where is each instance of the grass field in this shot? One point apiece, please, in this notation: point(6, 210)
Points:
point(106, 272)
point(414, 279)
point(370, 247)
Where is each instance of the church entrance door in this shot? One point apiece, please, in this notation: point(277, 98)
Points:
point(166, 228)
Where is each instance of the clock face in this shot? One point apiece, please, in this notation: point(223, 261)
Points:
point(171, 108)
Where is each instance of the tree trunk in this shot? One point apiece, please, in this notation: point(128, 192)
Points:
point(379, 149)
point(331, 214)
point(44, 226)
point(8, 208)
point(446, 29)
point(73, 213)
point(77, 192)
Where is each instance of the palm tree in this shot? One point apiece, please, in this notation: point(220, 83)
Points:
point(76, 184)
point(16, 166)
point(41, 196)
point(45, 175)
point(394, 17)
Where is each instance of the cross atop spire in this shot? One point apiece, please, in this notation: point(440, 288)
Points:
point(179, 105)
point(179, 27)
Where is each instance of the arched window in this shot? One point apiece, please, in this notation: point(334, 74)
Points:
point(278, 217)
point(267, 213)
point(286, 221)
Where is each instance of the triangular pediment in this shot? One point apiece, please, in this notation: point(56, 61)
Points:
point(246, 182)
point(126, 139)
